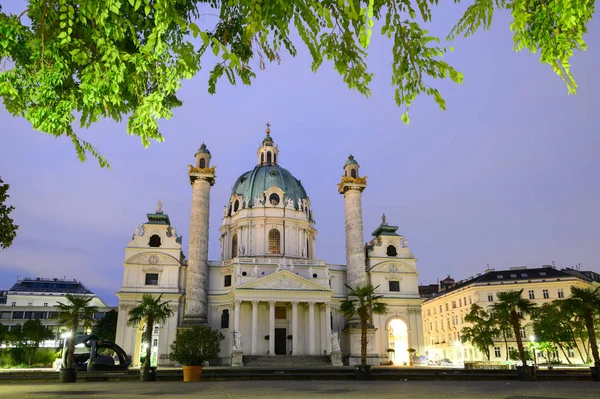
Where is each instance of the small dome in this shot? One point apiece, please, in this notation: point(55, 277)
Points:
point(267, 141)
point(202, 150)
point(350, 161)
point(254, 183)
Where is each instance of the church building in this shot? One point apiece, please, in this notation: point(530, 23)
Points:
point(269, 294)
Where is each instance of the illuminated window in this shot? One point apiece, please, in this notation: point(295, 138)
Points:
point(274, 242)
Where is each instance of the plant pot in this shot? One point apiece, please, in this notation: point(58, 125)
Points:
point(526, 373)
point(362, 373)
point(192, 373)
point(149, 376)
point(595, 373)
point(68, 375)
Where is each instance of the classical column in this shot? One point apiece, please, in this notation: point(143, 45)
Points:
point(327, 328)
point(197, 269)
point(311, 328)
point(295, 328)
point(271, 327)
point(237, 314)
point(254, 327)
point(352, 186)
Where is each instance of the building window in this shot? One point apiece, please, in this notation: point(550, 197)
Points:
point(353, 173)
point(236, 205)
point(470, 301)
point(446, 307)
point(274, 241)
point(545, 294)
point(234, 246)
point(490, 298)
point(45, 303)
point(531, 294)
point(570, 352)
point(17, 315)
point(453, 304)
point(497, 351)
point(202, 163)
point(274, 199)
point(428, 312)
point(269, 157)
point(225, 319)
point(440, 308)
point(391, 250)
point(227, 281)
point(151, 278)
point(154, 241)
point(561, 293)
point(14, 304)
point(523, 333)
point(394, 286)
point(459, 302)
point(262, 157)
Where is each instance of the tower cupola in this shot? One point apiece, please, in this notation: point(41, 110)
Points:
point(203, 157)
point(268, 151)
point(351, 167)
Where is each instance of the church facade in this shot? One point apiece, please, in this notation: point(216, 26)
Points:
point(269, 294)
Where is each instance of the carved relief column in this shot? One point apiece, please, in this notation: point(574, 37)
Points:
point(352, 187)
point(311, 328)
point(202, 179)
point(254, 327)
point(295, 328)
point(272, 328)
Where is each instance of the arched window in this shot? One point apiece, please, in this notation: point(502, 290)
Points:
point(307, 249)
point(225, 319)
point(353, 173)
point(154, 241)
point(391, 251)
point(274, 242)
point(274, 158)
point(262, 157)
point(236, 205)
point(203, 163)
point(234, 246)
point(269, 157)
point(274, 199)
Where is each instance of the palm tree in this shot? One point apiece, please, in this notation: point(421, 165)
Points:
point(482, 330)
point(362, 302)
point(586, 303)
point(76, 311)
point(512, 308)
point(150, 311)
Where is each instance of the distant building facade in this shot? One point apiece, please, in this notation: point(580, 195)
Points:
point(444, 314)
point(36, 298)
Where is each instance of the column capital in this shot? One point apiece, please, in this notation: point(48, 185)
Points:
point(202, 174)
point(272, 303)
point(238, 302)
point(311, 303)
point(255, 302)
point(295, 303)
point(352, 183)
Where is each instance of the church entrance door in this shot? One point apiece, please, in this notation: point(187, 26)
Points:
point(280, 341)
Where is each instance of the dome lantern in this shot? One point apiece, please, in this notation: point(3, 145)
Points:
point(268, 151)
point(203, 157)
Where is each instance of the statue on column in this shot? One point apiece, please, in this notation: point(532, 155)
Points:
point(254, 271)
point(335, 342)
point(159, 209)
point(326, 272)
point(310, 272)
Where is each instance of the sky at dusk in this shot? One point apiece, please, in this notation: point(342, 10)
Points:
point(508, 175)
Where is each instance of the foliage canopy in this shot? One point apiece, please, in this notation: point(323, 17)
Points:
point(8, 228)
point(116, 59)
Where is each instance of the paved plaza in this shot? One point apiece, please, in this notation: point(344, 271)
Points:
point(308, 389)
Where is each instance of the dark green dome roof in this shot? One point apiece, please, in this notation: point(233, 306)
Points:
point(351, 161)
point(203, 150)
point(254, 183)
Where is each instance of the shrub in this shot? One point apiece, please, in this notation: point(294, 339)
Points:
point(195, 346)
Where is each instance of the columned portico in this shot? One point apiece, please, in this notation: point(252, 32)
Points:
point(311, 328)
point(272, 328)
point(254, 327)
point(294, 328)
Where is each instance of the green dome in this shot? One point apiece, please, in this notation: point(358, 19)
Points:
point(351, 161)
point(203, 150)
point(254, 183)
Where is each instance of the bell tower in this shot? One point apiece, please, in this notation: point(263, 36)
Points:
point(352, 186)
point(202, 178)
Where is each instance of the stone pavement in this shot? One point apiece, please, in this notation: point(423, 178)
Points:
point(308, 389)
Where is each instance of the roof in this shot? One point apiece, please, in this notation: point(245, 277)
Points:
point(202, 150)
point(385, 229)
point(50, 285)
point(158, 218)
point(510, 275)
point(254, 183)
point(350, 161)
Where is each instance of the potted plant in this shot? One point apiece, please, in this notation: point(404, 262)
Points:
point(76, 311)
point(411, 352)
point(150, 311)
point(193, 347)
point(363, 303)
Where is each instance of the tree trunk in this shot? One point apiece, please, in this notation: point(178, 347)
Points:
point(505, 344)
point(149, 328)
point(574, 342)
point(71, 350)
point(363, 341)
point(586, 348)
point(589, 324)
point(517, 330)
point(564, 353)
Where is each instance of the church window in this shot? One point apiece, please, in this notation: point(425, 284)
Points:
point(280, 312)
point(391, 251)
point(154, 241)
point(395, 286)
point(225, 319)
point(353, 173)
point(269, 157)
point(274, 199)
point(227, 281)
point(274, 242)
point(234, 246)
point(203, 163)
point(151, 278)
point(274, 158)
point(262, 157)
point(236, 205)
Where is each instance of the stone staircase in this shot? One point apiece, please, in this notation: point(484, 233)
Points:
point(286, 361)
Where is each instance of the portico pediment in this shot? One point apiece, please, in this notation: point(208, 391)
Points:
point(283, 280)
